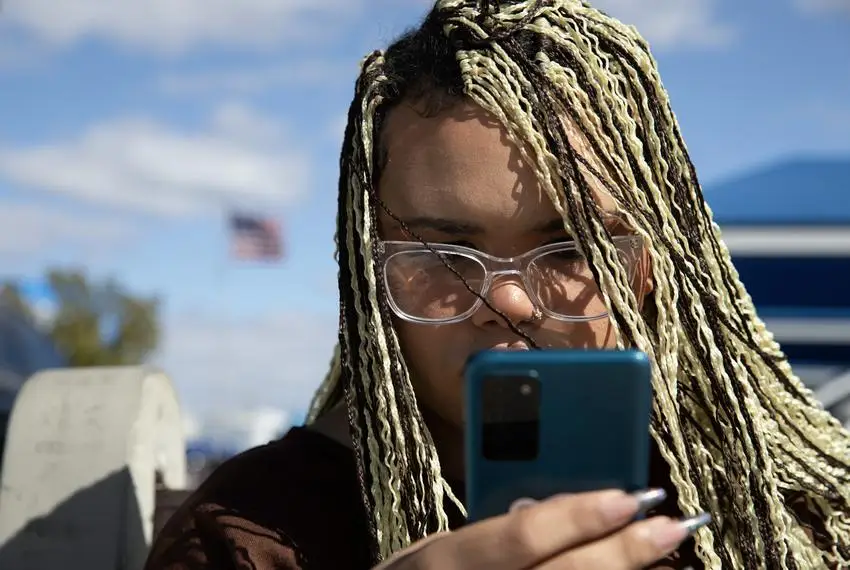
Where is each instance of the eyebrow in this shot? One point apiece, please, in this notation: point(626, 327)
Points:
point(460, 228)
point(442, 225)
point(554, 225)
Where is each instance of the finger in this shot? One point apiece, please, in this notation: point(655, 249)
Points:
point(635, 546)
point(522, 503)
point(535, 533)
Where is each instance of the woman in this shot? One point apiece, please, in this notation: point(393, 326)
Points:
point(500, 129)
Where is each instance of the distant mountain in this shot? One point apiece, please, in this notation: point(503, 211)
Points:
point(805, 191)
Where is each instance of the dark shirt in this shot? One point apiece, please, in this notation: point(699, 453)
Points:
point(293, 504)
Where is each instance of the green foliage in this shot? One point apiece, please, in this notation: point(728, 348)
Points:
point(96, 324)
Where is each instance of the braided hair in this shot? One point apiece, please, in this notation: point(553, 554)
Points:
point(743, 437)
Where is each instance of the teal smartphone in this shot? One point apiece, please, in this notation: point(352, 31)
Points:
point(543, 422)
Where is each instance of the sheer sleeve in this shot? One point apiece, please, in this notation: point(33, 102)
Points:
point(211, 537)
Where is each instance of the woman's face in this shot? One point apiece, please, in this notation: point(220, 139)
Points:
point(456, 178)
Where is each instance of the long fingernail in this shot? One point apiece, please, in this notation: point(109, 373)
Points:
point(521, 504)
point(619, 508)
point(669, 534)
point(649, 499)
point(693, 524)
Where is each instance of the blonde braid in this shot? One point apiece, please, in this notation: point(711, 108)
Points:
point(743, 437)
point(391, 440)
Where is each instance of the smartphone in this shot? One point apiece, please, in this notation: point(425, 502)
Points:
point(543, 422)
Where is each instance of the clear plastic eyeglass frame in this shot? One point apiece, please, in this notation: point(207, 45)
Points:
point(493, 267)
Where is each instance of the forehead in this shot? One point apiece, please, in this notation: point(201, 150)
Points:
point(462, 164)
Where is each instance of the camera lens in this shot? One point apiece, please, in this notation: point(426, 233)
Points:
point(511, 418)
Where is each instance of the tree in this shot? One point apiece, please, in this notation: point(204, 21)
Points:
point(97, 324)
point(11, 299)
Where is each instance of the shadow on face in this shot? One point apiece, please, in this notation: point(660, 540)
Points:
point(456, 178)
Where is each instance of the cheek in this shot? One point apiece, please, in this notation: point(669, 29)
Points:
point(435, 357)
point(604, 332)
point(428, 348)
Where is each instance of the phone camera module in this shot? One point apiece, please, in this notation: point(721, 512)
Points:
point(511, 418)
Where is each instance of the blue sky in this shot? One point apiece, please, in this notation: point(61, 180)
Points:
point(128, 128)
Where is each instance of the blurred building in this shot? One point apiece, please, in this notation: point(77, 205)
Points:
point(219, 436)
point(788, 229)
point(24, 350)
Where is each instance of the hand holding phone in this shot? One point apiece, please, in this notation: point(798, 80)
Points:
point(592, 531)
point(541, 424)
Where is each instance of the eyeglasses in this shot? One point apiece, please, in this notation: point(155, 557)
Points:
point(427, 286)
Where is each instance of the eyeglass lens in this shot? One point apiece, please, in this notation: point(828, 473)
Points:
point(424, 286)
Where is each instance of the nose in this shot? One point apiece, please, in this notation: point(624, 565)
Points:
point(510, 297)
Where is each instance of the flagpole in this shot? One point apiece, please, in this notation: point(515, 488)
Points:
point(255, 238)
point(235, 396)
point(226, 348)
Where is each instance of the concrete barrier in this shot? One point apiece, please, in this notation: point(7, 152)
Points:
point(79, 476)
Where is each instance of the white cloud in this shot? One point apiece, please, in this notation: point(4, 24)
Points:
point(27, 228)
point(17, 51)
point(223, 366)
point(173, 27)
point(147, 166)
point(823, 6)
point(176, 26)
point(239, 429)
point(311, 73)
point(668, 24)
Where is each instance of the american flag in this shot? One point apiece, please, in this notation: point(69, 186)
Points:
point(255, 238)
